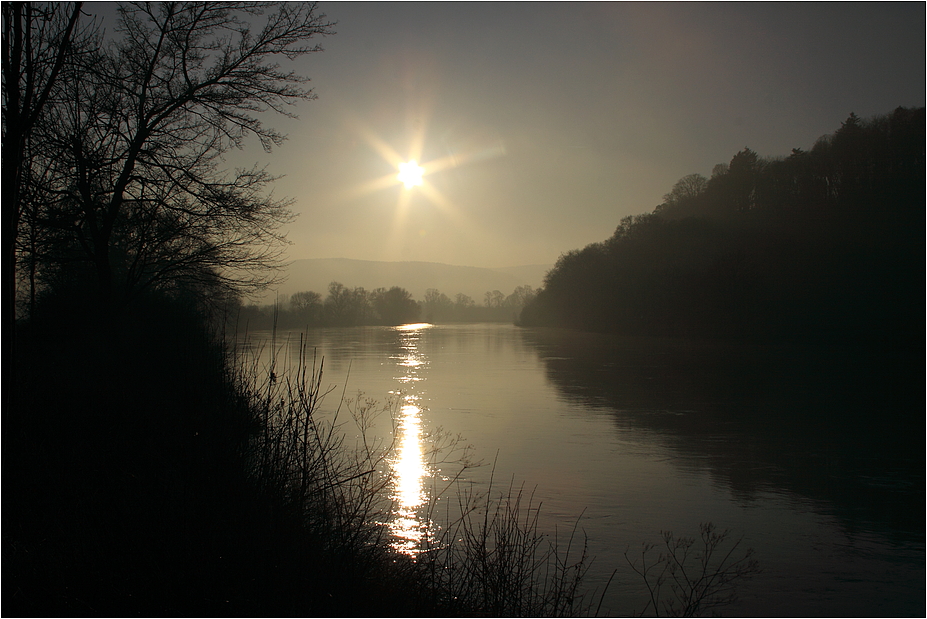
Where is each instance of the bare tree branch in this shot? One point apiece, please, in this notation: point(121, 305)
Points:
point(135, 145)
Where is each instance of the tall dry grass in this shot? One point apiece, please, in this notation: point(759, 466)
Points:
point(483, 553)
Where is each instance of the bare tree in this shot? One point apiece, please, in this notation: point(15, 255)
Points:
point(686, 189)
point(462, 301)
point(494, 298)
point(307, 305)
point(140, 190)
point(395, 306)
point(38, 41)
point(520, 297)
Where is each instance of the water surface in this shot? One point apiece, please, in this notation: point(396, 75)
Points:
point(807, 453)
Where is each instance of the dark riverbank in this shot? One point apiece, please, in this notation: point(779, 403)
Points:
point(131, 483)
point(152, 476)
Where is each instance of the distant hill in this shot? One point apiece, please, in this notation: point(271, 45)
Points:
point(416, 277)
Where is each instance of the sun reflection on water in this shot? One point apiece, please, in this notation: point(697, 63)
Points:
point(408, 525)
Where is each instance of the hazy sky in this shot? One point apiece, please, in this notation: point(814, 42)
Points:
point(553, 121)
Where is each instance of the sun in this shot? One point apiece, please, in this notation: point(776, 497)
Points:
point(410, 174)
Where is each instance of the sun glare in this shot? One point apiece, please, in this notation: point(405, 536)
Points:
point(417, 190)
point(410, 174)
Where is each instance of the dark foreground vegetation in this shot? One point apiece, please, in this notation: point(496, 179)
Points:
point(152, 474)
point(822, 246)
point(130, 449)
point(147, 476)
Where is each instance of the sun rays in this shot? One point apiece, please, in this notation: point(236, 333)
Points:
point(411, 184)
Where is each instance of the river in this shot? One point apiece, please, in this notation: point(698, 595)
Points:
point(800, 451)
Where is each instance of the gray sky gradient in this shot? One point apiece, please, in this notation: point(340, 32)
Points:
point(555, 120)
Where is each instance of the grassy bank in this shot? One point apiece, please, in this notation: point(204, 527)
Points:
point(146, 475)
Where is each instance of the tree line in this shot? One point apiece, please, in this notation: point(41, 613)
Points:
point(345, 306)
point(821, 245)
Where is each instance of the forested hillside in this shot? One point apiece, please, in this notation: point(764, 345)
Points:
point(824, 245)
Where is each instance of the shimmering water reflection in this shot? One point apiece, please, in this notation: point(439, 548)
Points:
point(409, 470)
point(818, 464)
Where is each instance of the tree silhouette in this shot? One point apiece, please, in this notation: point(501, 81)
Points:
point(141, 196)
point(436, 305)
point(307, 305)
point(742, 176)
point(395, 306)
point(686, 189)
point(493, 299)
point(824, 245)
point(38, 43)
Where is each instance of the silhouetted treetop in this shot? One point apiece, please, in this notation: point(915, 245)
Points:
point(823, 245)
point(135, 194)
point(686, 189)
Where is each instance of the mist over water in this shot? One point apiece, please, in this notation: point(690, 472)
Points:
point(784, 445)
